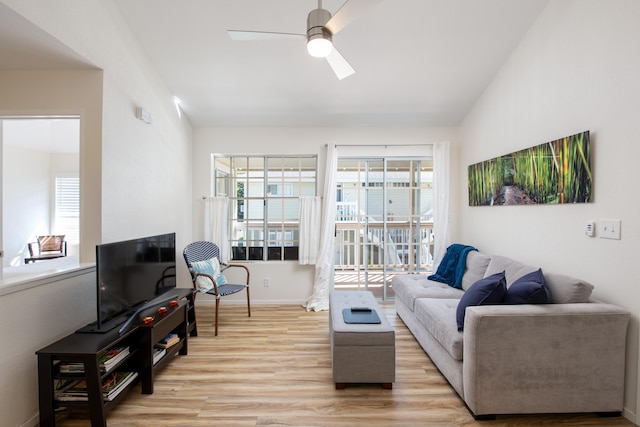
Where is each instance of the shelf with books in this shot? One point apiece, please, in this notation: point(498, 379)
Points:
point(96, 370)
point(107, 362)
point(90, 370)
point(167, 333)
point(112, 385)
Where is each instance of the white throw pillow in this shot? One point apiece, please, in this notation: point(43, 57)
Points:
point(212, 268)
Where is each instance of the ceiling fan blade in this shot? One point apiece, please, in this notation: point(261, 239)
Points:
point(339, 65)
point(261, 35)
point(348, 13)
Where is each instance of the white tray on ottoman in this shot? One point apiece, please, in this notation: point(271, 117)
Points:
point(360, 352)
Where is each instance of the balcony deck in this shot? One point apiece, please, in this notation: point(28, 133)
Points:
point(354, 281)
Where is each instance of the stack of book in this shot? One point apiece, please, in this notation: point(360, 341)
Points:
point(112, 385)
point(158, 353)
point(107, 361)
point(168, 341)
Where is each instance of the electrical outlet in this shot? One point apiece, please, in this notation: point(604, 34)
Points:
point(609, 229)
point(267, 282)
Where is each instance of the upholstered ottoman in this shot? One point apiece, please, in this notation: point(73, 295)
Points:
point(360, 352)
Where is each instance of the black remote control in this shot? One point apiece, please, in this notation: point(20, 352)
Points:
point(361, 309)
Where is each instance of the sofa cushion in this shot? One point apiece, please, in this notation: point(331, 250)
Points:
point(566, 289)
point(477, 263)
point(489, 290)
point(453, 265)
point(438, 317)
point(409, 287)
point(528, 289)
point(513, 270)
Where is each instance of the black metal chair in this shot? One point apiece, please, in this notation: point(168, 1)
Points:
point(203, 251)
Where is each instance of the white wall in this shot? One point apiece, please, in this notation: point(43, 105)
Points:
point(136, 178)
point(145, 168)
point(26, 200)
point(32, 319)
point(66, 92)
point(290, 282)
point(28, 192)
point(577, 69)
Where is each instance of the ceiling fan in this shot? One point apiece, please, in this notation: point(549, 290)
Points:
point(321, 27)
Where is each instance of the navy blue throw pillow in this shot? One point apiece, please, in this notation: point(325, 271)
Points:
point(529, 289)
point(489, 290)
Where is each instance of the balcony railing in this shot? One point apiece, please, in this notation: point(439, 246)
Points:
point(402, 246)
point(399, 246)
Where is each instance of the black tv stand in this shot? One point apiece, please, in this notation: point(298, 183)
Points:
point(124, 320)
point(142, 308)
point(86, 350)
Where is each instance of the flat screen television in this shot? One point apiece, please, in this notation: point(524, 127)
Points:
point(130, 274)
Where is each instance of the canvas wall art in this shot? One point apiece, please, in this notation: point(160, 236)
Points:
point(556, 172)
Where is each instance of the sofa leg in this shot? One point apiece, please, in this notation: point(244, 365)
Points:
point(609, 414)
point(387, 386)
point(485, 417)
point(340, 386)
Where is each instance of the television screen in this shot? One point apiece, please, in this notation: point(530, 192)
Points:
point(131, 273)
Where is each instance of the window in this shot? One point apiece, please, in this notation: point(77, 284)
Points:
point(264, 198)
point(67, 208)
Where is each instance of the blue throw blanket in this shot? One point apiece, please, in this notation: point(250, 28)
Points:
point(452, 266)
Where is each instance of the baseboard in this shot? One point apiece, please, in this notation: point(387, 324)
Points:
point(631, 416)
point(211, 301)
point(33, 421)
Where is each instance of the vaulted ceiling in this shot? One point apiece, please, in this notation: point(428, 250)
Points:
point(417, 62)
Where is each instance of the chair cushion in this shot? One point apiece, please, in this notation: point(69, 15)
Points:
point(489, 290)
point(50, 243)
point(212, 268)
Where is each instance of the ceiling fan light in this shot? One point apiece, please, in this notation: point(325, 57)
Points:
point(319, 47)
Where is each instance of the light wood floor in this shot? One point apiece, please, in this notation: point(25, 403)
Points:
point(274, 369)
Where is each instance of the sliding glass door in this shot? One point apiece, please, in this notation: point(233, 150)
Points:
point(384, 221)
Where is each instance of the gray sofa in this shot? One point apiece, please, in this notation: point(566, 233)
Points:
point(563, 357)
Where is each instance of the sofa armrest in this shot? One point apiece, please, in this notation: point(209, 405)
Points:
point(547, 358)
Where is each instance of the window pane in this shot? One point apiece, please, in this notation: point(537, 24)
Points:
point(266, 192)
point(67, 208)
point(255, 209)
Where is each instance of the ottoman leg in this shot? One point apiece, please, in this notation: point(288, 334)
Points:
point(340, 386)
point(387, 386)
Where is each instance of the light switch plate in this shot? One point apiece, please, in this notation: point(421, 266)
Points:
point(609, 229)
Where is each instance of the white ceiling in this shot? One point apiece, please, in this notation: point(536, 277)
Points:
point(25, 46)
point(418, 62)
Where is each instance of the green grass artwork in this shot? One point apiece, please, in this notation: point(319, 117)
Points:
point(556, 172)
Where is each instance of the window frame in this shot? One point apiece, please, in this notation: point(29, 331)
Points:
point(264, 226)
point(72, 234)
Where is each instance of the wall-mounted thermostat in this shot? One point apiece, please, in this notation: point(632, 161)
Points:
point(590, 229)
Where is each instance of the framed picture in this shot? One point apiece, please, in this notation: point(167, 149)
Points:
point(556, 172)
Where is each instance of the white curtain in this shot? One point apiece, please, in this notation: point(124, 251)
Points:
point(216, 212)
point(310, 222)
point(324, 265)
point(441, 172)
